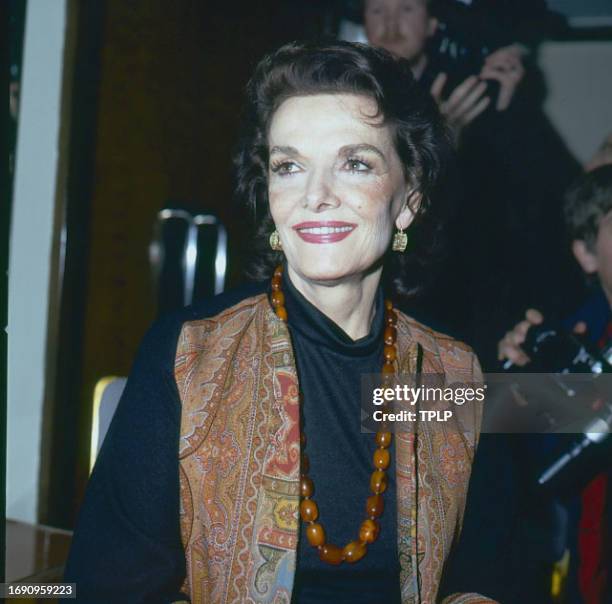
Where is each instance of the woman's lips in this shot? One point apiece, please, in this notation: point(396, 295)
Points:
point(324, 232)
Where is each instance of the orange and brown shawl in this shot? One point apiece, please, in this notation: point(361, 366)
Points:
point(239, 456)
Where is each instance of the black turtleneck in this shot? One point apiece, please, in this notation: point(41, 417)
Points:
point(330, 365)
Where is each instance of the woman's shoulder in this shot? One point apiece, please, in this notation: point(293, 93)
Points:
point(161, 340)
point(209, 308)
point(219, 316)
point(212, 307)
point(453, 353)
point(424, 332)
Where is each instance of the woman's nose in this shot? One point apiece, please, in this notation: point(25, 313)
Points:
point(320, 193)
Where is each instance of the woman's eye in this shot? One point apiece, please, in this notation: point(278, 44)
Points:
point(358, 165)
point(285, 167)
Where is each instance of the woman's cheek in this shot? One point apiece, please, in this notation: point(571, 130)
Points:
point(281, 200)
point(285, 191)
point(375, 209)
point(366, 195)
point(379, 188)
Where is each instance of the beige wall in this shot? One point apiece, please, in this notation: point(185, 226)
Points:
point(579, 103)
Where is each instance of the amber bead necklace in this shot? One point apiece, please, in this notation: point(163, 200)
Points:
point(309, 512)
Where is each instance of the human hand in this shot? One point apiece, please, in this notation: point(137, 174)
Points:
point(509, 347)
point(505, 66)
point(465, 103)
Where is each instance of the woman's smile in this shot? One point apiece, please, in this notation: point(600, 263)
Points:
point(324, 232)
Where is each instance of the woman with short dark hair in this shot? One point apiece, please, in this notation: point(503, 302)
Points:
point(419, 134)
point(235, 469)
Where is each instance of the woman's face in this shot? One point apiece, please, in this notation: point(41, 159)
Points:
point(336, 185)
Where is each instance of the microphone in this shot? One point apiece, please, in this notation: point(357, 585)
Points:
point(595, 432)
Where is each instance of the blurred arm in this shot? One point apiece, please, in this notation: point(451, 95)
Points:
point(127, 545)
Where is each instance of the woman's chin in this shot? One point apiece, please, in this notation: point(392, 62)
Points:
point(324, 270)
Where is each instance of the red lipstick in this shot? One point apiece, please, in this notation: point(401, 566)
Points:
point(329, 231)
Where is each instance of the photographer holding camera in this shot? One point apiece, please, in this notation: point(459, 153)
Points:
point(504, 244)
point(405, 28)
point(588, 217)
point(517, 531)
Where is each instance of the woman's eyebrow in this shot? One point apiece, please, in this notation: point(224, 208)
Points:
point(285, 150)
point(344, 151)
point(350, 149)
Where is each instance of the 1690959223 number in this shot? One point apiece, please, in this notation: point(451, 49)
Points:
point(38, 590)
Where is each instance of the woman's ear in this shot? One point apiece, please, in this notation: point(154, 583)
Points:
point(409, 210)
point(586, 259)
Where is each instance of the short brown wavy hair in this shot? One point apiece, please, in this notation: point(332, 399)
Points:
point(421, 139)
point(587, 201)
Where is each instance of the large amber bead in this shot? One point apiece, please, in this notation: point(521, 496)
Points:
point(389, 351)
point(278, 271)
point(354, 551)
point(306, 486)
point(368, 532)
point(378, 481)
point(278, 298)
point(374, 506)
point(390, 335)
point(305, 464)
point(388, 368)
point(315, 534)
point(381, 459)
point(281, 313)
point(308, 510)
point(383, 439)
point(391, 318)
point(332, 554)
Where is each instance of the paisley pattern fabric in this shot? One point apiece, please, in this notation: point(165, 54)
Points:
point(239, 455)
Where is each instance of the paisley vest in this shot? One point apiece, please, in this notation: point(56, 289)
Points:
point(239, 457)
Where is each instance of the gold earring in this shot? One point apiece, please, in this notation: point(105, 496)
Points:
point(400, 241)
point(275, 242)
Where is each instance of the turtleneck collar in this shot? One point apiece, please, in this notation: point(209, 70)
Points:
point(308, 321)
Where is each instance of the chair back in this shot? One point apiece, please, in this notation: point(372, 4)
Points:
point(188, 257)
point(107, 394)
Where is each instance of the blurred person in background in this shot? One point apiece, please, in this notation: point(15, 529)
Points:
point(405, 28)
point(505, 250)
point(516, 532)
point(588, 217)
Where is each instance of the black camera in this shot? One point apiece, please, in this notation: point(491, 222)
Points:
point(580, 449)
point(463, 40)
point(553, 349)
